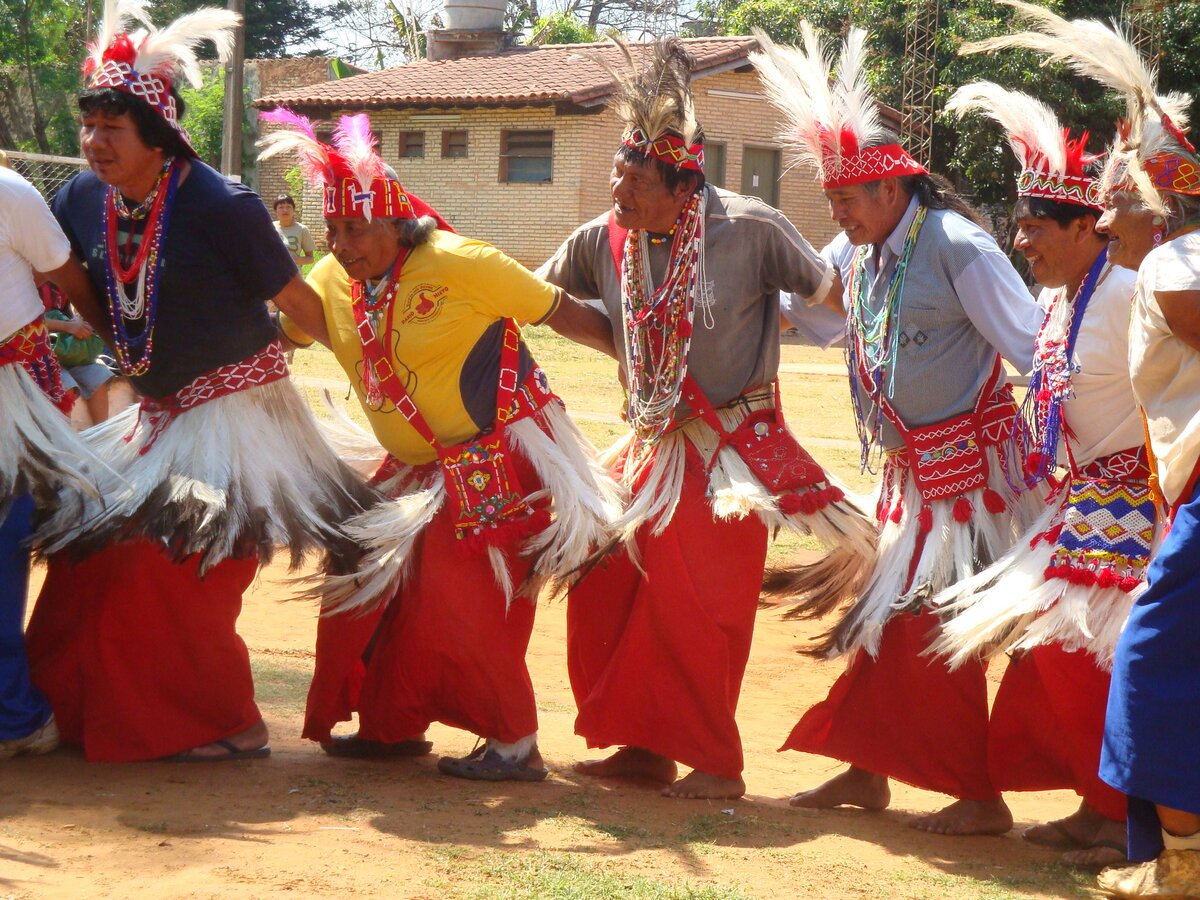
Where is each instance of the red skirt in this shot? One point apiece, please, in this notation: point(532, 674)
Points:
point(1047, 727)
point(139, 656)
point(444, 649)
point(906, 716)
point(656, 660)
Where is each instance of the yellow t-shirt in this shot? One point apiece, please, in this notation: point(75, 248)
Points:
point(447, 326)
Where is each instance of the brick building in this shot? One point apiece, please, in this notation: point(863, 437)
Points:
point(515, 147)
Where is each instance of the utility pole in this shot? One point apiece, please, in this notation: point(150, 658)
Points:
point(231, 134)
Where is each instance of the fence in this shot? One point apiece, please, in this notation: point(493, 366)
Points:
point(47, 173)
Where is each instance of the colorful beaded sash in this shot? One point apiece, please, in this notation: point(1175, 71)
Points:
point(30, 348)
point(264, 367)
point(1104, 532)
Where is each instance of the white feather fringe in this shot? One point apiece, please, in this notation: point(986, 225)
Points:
point(240, 474)
point(584, 504)
point(1011, 606)
point(40, 453)
point(952, 551)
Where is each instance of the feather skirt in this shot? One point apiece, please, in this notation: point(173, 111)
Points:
point(40, 453)
point(237, 476)
point(1027, 598)
point(584, 503)
point(927, 546)
point(837, 521)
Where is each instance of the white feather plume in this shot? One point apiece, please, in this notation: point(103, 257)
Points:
point(818, 111)
point(1029, 124)
point(114, 20)
point(171, 50)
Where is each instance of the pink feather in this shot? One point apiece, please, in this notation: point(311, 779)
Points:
point(356, 144)
point(285, 117)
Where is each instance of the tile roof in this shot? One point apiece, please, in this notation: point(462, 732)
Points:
point(560, 73)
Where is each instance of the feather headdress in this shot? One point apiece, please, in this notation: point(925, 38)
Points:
point(1152, 153)
point(1052, 162)
point(353, 177)
point(654, 101)
point(830, 122)
point(147, 64)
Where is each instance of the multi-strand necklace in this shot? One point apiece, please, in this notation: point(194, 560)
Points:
point(1041, 425)
point(658, 321)
point(134, 315)
point(874, 342)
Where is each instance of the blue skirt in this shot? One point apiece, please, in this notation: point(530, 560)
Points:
point(1152, 730)
point(23, 710)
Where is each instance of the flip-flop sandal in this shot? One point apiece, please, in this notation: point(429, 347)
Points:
point(1054, 835)
point(1080, 859)
point(483, 764)
point(233, 752)
point(353, 746)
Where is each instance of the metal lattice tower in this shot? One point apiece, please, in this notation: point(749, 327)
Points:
point(919, 72)
point(1144, 17)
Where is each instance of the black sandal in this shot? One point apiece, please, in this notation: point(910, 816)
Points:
point(482, 764)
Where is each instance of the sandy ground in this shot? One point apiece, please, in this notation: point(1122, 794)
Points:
point(301, 824)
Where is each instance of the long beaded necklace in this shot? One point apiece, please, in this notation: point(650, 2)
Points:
point(134, 317)
point(874, 342)
point(1040, 425)
point(658, 322)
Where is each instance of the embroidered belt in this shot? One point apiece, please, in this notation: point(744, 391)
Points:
point(264, 367)
point(528, 400)
point(30, 347)
point(1124, 465)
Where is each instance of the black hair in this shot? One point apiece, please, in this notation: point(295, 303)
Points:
point(283, 198)
point(1063, 214)
point(932, 191)
point(672, 176)
point(152, 128)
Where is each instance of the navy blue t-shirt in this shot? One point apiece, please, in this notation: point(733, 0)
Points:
point(221, 261)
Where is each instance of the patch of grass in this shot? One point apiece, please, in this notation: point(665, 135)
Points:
point(569, 876)
point(283, 686)
point(1051, 881)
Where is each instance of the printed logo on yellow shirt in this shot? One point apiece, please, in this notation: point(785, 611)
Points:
point(424, 303)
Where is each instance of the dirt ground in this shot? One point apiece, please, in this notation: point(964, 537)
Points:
point(301, 824)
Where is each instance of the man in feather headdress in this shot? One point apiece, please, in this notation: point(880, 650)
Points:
point(134, 638)
point(1151, 194)
point(1058, 600)
point(492, 490)
point(934, 305)
point(689, 276)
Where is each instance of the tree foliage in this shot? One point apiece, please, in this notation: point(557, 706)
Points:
point(563, 28)
point(972, 151)
point(274, 28)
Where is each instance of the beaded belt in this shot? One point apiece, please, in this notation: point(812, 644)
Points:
point(30, 347)
point(264, 367)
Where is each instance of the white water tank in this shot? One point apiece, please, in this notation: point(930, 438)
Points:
point(475, 15)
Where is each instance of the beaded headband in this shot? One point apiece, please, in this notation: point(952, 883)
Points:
point(345, 199)
point(871, 164)
point(666, 148)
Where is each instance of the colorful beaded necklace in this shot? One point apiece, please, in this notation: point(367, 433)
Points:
point(134, 317)
point(369, 306)
point(658, 321)
point(874, 342)
point(1040, 425)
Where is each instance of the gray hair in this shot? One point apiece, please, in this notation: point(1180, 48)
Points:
point(413, 232)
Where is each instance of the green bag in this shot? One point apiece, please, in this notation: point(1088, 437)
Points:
point(70, 350)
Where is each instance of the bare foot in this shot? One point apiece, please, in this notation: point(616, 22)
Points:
point(252, 738)
point(964, 817)
point(1074, 832)
point(854, 787)
point(702, 786)
point(631, 762)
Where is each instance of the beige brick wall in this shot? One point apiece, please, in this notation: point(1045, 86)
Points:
point(529, 221)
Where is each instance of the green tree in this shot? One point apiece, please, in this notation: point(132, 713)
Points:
point(972, 151)
point(563, 28)
point(204, 112)
point(274, 28)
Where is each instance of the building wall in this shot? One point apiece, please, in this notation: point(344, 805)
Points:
point(529, 221)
